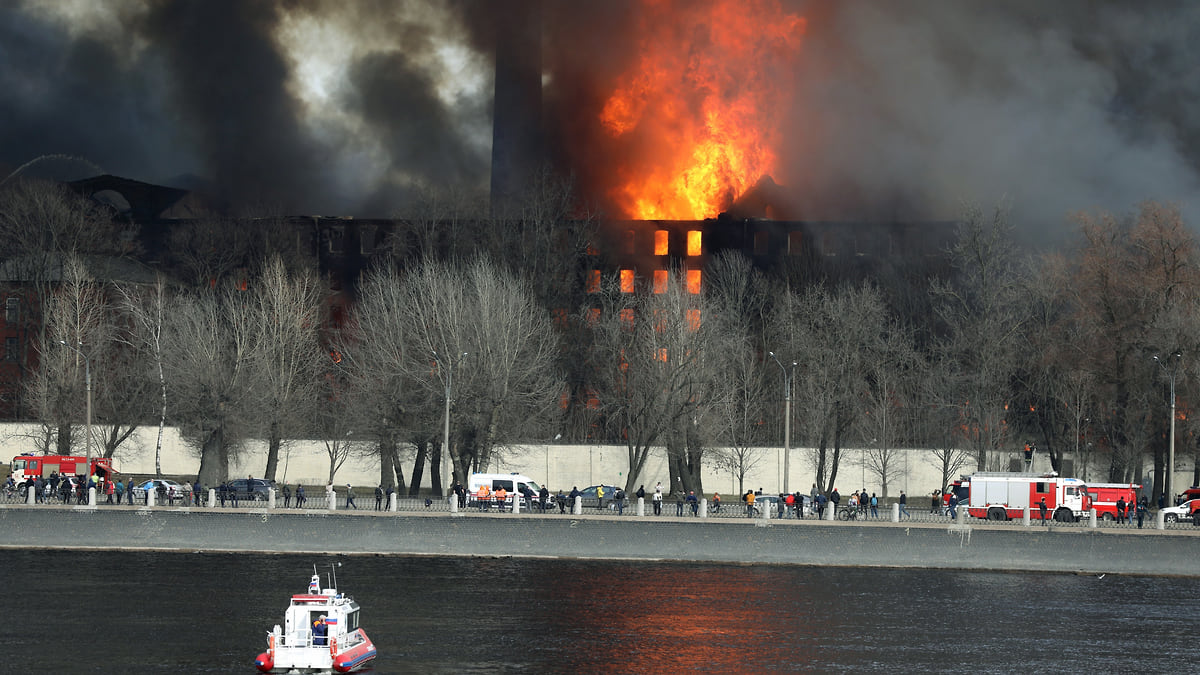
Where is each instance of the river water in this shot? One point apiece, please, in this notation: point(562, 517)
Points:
point(101, 612)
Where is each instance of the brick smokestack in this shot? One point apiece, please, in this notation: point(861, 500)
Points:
point(517, 147)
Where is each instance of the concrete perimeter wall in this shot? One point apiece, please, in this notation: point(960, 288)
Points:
point(1069, 550)
point(555, 466)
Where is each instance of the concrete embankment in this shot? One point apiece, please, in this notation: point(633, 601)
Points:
point(1070, 549)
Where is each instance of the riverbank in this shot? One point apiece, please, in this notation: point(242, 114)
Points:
point(1069, 549)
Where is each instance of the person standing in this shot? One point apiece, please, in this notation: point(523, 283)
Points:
point(716, 502)
point(1120, 509)
point(619, 498)
point(658, 497)
point(693, 502)
point(953, 507)
point(749, 499)
point(109, 489)
point(1042, 509)
point(543, 497)
point(287, 496)
point(319, 631)
point(1141, 511)
point(501, 498)
point(387, 496)
point(379, 497)
point(300, 497)
point(599, 496)
point(904, 505)
point(350, 498)
point(874, 505)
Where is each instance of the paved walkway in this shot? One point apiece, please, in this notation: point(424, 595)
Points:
point(806, 542)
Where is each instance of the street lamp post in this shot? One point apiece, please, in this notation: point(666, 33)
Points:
point(1171, 372)
point(787, 417)
point(448, 367)
point(87, 376)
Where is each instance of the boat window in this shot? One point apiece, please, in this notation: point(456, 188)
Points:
point(352, 621)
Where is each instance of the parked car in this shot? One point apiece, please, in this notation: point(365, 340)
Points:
point(1185, 511)
point(590, 500)
point(165, 491)
point(249, 489)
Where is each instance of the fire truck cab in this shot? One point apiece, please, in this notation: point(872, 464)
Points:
point(1004, 496)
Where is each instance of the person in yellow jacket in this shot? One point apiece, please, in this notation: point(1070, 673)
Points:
point(599, 496)
point(749, 503)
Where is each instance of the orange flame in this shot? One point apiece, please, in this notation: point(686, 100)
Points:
point(704, 104)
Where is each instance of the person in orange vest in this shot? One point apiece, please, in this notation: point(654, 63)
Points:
point(501, 497)
point(482, 497)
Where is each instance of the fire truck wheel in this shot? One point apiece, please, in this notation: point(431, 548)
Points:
point(997, 514)
point(1064, 516)
point(1108, 517)
point(1196, 519)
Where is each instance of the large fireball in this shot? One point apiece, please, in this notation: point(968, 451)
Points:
point(703, 105)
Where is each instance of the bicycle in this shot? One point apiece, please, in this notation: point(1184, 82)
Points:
point(848, 513)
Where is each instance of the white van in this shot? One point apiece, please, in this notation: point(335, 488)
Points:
point(513, 484)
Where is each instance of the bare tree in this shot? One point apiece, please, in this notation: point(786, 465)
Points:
point(474, 323)
point(42, 226)
point(1132, 292)
point(938, 421)
point(655, 360)
point(983, 314)
point(372, 388)
point(890, 369)
point(823, 330)
point(145, 310)
point(284, 315)
point(77, 329)
point(207, 352)
point(739, 413)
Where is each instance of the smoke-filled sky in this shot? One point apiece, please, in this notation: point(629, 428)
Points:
point(891, 108)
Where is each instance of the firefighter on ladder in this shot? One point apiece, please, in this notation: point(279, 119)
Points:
point(1029, 448)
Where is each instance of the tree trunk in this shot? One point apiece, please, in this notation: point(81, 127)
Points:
point(424, 449)
point(387, 469)
point(63, 446)
point(214, 459)
point(435, 471)
point(273, 443)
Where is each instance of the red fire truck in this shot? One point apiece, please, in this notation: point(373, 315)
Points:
point(1004, 495)
point(1104, 497)
point(32, 466)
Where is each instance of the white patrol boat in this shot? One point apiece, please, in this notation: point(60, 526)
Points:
point(320, 634)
